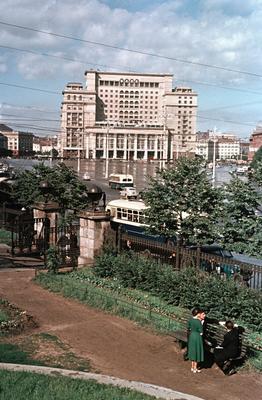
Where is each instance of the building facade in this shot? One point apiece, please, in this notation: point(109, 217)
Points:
point(255, 142)
point(225, 146)
point(127, 116)
point(19, 143)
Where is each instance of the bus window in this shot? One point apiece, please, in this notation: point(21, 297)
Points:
point(135, 216)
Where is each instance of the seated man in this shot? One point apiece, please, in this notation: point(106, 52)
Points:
point(229, 348)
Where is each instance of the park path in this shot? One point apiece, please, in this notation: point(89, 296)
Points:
point(118, 347)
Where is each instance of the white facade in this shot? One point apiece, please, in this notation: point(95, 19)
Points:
point(135, 116)
point(225, 147)
point(228, 149)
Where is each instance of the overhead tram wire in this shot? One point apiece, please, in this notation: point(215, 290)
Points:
point(29, 88)
point(129, 69)
point(22, 118)
point(220, 86)
point(28, 108)
point(60, 57)
point(175, 115)
point(36, 127)
point(114, 47)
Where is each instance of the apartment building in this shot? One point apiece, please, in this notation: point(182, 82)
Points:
point(127, 116)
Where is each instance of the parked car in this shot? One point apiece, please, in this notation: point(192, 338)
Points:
point(128, 193)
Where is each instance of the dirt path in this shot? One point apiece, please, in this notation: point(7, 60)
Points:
point(118, 347)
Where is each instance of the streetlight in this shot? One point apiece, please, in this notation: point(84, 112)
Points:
point(214, 159)
point(79, 148)
point(107, 160)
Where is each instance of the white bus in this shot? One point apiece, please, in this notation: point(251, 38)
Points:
point(125, 212)
point(120, 181)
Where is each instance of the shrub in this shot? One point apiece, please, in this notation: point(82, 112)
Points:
point(52, 260)
point(222, 298)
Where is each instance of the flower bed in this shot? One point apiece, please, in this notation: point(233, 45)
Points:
point(17, 320)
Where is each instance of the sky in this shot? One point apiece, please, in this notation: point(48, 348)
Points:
point(213, 46)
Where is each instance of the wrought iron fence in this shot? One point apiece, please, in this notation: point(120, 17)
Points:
point(249, 275)
point(34, 236)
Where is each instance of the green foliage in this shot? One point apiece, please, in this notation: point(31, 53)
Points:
point(222, 298)
point(241, 228)
point(52, 260)
point(25, 385)
point(11, 353)
point(64, 187)
point(257, 159)
point(182, 202)
point(3, 316)
point(5, 237)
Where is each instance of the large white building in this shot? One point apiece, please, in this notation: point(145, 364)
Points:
point(127, 116)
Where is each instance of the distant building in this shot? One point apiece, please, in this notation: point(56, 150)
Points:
point(19, 143)
point(44, 144)
point(127, 116)
point(226, 146)
point(3, 142)
point(255, 142)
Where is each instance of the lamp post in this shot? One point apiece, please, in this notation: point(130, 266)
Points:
point(78, 152)
point(45, 189)
point(164, 140)
point(214, 159)
point(107, 160)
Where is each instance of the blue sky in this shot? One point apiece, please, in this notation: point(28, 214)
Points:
point(223, 33)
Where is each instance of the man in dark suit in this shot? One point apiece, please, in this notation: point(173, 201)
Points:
point(229, 348)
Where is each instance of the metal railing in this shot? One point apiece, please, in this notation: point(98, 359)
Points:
point(249, 275)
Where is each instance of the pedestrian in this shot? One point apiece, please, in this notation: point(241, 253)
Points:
point(229, 348)
point(195, 340)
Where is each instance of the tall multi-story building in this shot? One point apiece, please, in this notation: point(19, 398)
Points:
point(127, 116)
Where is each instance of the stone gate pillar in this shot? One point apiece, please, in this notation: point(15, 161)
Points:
point(93, 229)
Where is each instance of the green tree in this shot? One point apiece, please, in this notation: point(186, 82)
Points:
point(257, 159)
point(64, 187)
point(240, 225)
point(183, 203)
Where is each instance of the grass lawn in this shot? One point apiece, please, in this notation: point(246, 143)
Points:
point(25, 386)
point(41, 349)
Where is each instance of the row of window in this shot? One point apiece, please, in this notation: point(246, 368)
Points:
point(129, 83)
point(129, 92)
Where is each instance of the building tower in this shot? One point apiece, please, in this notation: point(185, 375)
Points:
point(127, 116)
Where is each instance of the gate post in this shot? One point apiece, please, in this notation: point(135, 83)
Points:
point(93, 228)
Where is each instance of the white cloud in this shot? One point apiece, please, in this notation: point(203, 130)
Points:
point(227, 41)
point(217, 32)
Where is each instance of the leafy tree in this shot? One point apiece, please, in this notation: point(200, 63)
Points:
point(183, 203)
point(63, 187)
point(241, 227)
point(257, 159)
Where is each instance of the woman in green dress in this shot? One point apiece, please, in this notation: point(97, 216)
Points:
point(195, 340)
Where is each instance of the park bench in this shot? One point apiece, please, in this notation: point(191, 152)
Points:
point(214, 334)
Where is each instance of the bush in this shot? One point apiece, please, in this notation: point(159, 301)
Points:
point(52, 260)
point(223, 299)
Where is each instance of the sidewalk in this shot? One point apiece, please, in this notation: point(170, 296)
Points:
point(153, 390)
